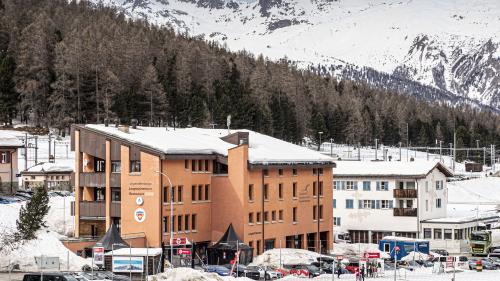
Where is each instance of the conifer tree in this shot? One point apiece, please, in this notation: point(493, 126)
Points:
point(31, 215)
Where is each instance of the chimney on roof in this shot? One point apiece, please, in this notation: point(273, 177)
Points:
point(106, 122)
point(117, 122)
point(237, 138)
point(133, 123)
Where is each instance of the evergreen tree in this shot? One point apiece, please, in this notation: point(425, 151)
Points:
point(8, 94)
point(31, 215)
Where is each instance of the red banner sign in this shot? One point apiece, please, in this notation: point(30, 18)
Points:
point(184, 252)
point(178, 241)
point(372, 255)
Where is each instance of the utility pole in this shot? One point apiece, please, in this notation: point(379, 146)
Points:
point(25, 151)
point(451, 157)
point(440, 151)
point(319, 144)
point(376, 148)
point(331, 147)
point(36, 150)
point(50, 146)
point(400, 151)
point(454, 149)
point(407, 143)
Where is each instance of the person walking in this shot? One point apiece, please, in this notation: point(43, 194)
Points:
point(339, 270)
point(362, 273)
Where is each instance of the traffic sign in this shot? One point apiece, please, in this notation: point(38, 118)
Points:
point(372, 255)
point(396, 248)
point(184, 251)
point(178, 241)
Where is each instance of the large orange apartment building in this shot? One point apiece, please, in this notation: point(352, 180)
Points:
point(276, 194)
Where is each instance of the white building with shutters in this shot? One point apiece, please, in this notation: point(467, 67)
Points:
point(373, 199)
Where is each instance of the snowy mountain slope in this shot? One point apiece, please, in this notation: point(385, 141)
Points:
point(452, 46)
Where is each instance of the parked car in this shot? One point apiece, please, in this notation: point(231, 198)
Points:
point(108, 275)
point(441, 252)
point(306, 270)
point(324, 266)
point(238, 270)
point(487, 265)
point(49, 276)
point(219, 269)
point(264, 272)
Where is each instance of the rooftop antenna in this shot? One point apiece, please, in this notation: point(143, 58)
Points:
point(228, 122)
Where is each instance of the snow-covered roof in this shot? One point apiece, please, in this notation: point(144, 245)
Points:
point(482, 216)
point(9, 139)
point(49, 168)
point(262, 149)
point(138, 252)
point(412, 169)
point(403, 239)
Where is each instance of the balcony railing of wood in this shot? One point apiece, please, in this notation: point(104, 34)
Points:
point(99, 179)
point(96, 209)
point(405, 212)
point(405, 193)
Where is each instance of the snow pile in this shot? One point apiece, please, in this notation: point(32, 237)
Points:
point(417, 256)
point(354, 249)
point(189, 274)
point(46, 244)
point(288, 256)
point(59, 221)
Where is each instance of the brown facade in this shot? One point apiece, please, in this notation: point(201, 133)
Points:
point(269, 206)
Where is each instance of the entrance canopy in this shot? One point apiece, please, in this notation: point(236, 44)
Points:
point(112, 240)
point(226, 248)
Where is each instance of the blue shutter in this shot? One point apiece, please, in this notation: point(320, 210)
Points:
point(360, 202)
point(377, 204)
point(390, 204)
point(355, 185)
point(378, 185)
point(334, 203)
point(338, 221)
point(342, 183)
point(373, 204)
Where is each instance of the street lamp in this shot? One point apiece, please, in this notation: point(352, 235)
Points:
point(319, 145)
point(171, 215)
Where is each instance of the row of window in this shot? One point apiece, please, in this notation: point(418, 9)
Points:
point(179, 223)
point(367, 204)
point(198, 193)
point(251, 194)
point(353, 185)
point(197, 165)
point(258, 217)
point(445, 234)
point(4, 157)
point(295, 172)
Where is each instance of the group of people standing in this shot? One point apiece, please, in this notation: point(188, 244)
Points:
point(370, 271)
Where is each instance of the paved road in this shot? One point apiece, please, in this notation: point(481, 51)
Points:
point(13, 276)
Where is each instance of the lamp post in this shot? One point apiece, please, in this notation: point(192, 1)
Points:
point(171, 215)
point(319, 145)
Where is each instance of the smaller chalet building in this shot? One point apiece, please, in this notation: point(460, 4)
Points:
point(9, 145)
point(373, 199)
point(49, 175)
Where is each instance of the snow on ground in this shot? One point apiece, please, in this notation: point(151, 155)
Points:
point(59, 221)
point(188, 274)
point(473, 197)
point(275, 257)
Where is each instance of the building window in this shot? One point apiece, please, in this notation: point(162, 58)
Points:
point(459, 234)
point(266, 216)
point(280, 172)
point(366, 204)
point(366, 186)
point(427, 233)
point(336, 221)
point(294, 214)
point(280, 215)
point(135, 166)
point(265, 172)
point(314, 212)
point(186, 222)
point(115, 195)
point(116, 167)
point(351, 185)
point(438, 203)
point(200, 165)
point(426, 186)
point(193, 165)
point(314, 171)
point(439, 185)
point(437, 233)
point(320, 212)
point(320, 188)
point(335, 203)
point(186, 164)
point(294, 172)
point(165, 194)
point(250, 218)
point(383, 185)
point(193, 222)
point(193, 193)
point(100, 165)
point(179, 193)
point(320, 170)
point(258, 217)
point(172, 194)
point(266, 191)
point(258, 247)
point(385, 204)
point(165, 224)
point(206, 166)
point(273, 216)
point(200, 190)
point(426, 205)
point(4, 157)
point(447, 234)
point(207, 187)
point(280, 191)
point(179, 223)
point(250, 192)
point(349, 204)
point(314, 189)
point(294, 190)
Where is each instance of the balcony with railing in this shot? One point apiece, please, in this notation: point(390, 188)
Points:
point(99, 179)
point(405, 212)
point(405, 193)
point(96, 209)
